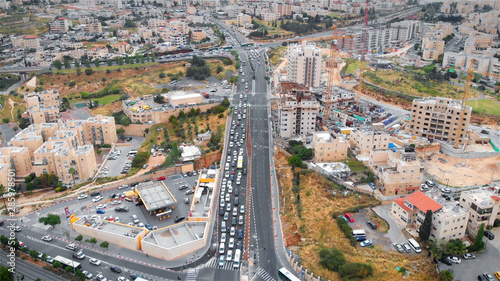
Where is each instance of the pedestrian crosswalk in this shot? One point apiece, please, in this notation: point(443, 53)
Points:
point(191, 275)
point(266, 276)
point(228, 265)
point(40, 225)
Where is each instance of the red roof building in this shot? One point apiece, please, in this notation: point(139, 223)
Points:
point(412, 208)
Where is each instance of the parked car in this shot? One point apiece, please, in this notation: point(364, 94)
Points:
point(83, 196)
point(100, 211)
point(179, 219)
point(372, 224)
point(349, 217)
point(489, 234)
point(407, 248)
point(485, 276)
point(366, 243)
point(469, 256)
point(161, 178)
point(452, 259)
point(398, 247)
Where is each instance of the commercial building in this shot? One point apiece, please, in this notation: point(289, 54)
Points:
point(305, 64)
point(185, 99)
point(397, 170)
point(483, 205)
point(438, 118)
point(448, 222)
point(42, 107)
point(432, 47)
point(328, 148)
point(157, 198)
point(297, 111)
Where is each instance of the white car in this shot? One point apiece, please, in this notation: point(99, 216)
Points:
point(231, 243)
point(123, 186)
point(97, 199)
point(87, 274)
point(238, 182)
point(232, 232)
point(83, 196)
point(121, 278)
point(229, 256)
point(47, 238)
point(446, 190)
point(94, 261)
point(223, 238)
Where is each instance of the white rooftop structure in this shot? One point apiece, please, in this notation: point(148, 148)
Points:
point(189, 153)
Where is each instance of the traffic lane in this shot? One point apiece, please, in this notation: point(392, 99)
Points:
point(29, 271)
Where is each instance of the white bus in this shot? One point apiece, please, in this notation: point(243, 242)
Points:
point(286, 275)
point(414, 245)
point(67, 262)
point(237, 257)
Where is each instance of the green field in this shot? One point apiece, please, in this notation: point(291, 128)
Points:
point(352, 66)
point(485, 106)
point(107, 99)
point(104, 68)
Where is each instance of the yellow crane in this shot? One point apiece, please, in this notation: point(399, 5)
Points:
point(465, 97)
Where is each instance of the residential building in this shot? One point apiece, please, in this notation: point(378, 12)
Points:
point(31, 42)
point(244, 20)
point(42, 107)
point(60, 24)
point(297, 111)
point(448, 222)
point(197, 35)
point(34, 136)
point(405, 30)
point(81, 159)
point(179, 26)
point(95, 130)
point(363, 141)
point(270, 16)
point(93, 27)
point(432, 47)
point(451, 59)
point(124, 47)
point(283, 9)
point(442, 29)
point(438, 118)
point(328, 148)
point(17, 158)
point(4, 175)
point(483, 205)
point(397, 170)
point(178, 40)
point(305, 64)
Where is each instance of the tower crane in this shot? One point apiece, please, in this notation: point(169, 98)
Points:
point(465, 97)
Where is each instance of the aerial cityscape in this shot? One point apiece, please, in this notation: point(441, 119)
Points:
point(252, 140)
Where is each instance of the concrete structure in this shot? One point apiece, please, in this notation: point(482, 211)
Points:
point(364, 141)
point(244, 20)
point(337, 170)
point(405, 30)
point(483, 205)
point(398, 171)
point(297, 111)
point(17, 158)
point(438, 118)
point(4, 175)
point(124, 47)
point(189, 152)
point(198, 35)
point(157, 198)
point(93, 28)
point(305, 64)
point(283, 9)
point(182, 98)
point(432, 47)
point(60, 24)
point(42, 107)
point(81, 159)
point(328, 148)
point(31, 42)
point(449, 223)
point(95, 130)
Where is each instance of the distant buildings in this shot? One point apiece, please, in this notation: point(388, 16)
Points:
point(42, 107)
point(31, 42)
point(305, 64)
point(297, 111)
point(244, 20)
point(60, 25)
point(432, 47)
point(438, 118)
point(328, 148)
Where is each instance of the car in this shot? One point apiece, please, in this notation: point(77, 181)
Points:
point(135, 219)
point(489, 234)
point(79, 255)
point(223, 238)
point(87, 274)
point(47, 238)
point(446, 189)
point(145, 166)
point(231, 243)
point(121, 278)
point(141, 225)
point(123, 186)
point(372, 224)
point(406, 247)
point(83, 196)
point(101, 277)
point(429, 183)
point(97, 193)
point(240, 220)
point(240, 233)
point(398, 247)
point(360, 238)
point(94, 261)
point(366, 243)
point(456, 260)
point(468, 256)
point(188, 192)
point(349, 217)
point(229, 256)
point(221, 260)
point(49, 259)
point(228, 208)
point(232, 232)
point(233, 221)
point(179, 219)
point(97, 199)
point(488, 276)
point(161, 178)
point(128, 200)
point(100, 211)
point(115, 269)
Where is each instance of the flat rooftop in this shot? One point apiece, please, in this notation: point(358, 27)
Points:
point(177, 234)
point(155, 195)
point(111, 227)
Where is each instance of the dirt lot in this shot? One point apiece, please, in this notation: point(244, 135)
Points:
point(476, 171)
point(315, 228)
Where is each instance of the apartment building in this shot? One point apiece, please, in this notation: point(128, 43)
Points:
point(31, 42)
point(405, 30)
point(34, 136)
point(178, 40)
point(398, 171)
point(60, 24)
point(124, 47)
point(438, 118)
point(328, 148)
point(442, 29)
point(297, 111)
point(17, 158)
point(448, 222)
point(198, 35)
point(156, 22)
point(81, 158)
point(363, 141)
point(244, 20)
point(483, 205)
point(432, 47)
point(283, 9)
point(95, 130)
point(377, 40)
point(179, 26)
point(451, 59)
point(42, 107)
point(270, 15)
point(93, 27)
point(305, 64)
point(4, 175)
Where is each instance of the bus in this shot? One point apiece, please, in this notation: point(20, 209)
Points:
point(67, 262)
point(240, 162)
point(286, 275)
point(414, 245)
point(227, 48)
point(248, 45)
point(237, 257)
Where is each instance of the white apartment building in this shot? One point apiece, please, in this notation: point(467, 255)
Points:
point(405, 30)
point(305, 64)
point(297, 111)
point(363, 141)
point(449, 223)
point(483, 205)
point(244, 20)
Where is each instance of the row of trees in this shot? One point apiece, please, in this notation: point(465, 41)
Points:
point(84, 61)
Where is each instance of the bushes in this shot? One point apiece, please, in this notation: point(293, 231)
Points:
point(334, 260)
point(140, 159)
point(89, 71)
point(121, 118)
point(355, 271)
point(346, 229)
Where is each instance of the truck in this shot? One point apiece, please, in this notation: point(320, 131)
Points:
point(240, 162)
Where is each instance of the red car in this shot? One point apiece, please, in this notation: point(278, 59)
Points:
point(206, 95)
point(161, 178)
point(349, 217)
point(246, 90)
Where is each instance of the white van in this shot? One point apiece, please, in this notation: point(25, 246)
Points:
point(223, 227)
point(358, 232)
point(227, 166)
point(414, 245)
point(221, 248)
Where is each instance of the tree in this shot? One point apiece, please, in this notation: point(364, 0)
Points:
point(219, 69)
point(159, 99)
point(56, 264)
point(33, 254)
point(425, 228)
point(355, 271)
point(295, 161)
point(79, 238)
point(89, 71)
point(446, 275)
point(479, 244)
point(454, 247)
point(50, 219)
point(77, 64)
point(68, 269)
point(153, 56)
point(332, 259)
point(162, 75)
point(5, 120)
point(72, 171)
point(104, 245)
point(96, 63)
point(91, 241)
point(58, 64)
point(5, 274)
point(67, 64)
point(120, 133)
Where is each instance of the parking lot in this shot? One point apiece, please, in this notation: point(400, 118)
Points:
point(114, 168)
